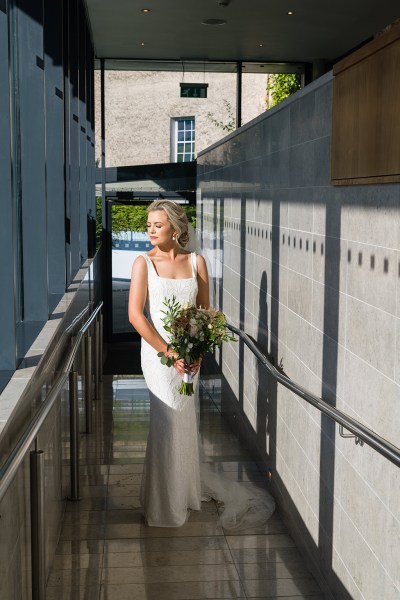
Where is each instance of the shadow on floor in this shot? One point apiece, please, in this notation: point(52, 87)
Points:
point(106, 552)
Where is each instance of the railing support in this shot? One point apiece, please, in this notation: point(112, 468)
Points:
point(96, 358)
point(38, 551)
point(74, 433)
point(88, 382)
point(101, 346)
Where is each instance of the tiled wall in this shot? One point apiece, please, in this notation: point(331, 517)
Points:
point(312, 272)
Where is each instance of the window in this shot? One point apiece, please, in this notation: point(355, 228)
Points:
point(183, 139)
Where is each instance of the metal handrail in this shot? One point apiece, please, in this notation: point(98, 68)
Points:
point(361, 432)
point(15, 458)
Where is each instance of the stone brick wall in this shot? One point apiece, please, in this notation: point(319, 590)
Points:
point(140, 106)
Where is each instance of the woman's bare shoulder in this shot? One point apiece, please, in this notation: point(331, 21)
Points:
point(139, 264)
point(200, 260)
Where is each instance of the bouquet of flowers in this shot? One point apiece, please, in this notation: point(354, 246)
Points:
point(193, 332)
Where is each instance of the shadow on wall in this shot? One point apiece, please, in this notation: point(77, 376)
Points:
point(262, 443)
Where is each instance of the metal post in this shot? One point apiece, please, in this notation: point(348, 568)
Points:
point(101, 341)
point(88, 382)
point(74, 433)
point(239, 66)
point(38, 552)
point(96, 357)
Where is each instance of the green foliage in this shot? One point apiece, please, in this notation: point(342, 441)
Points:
point(191, 214)
point(129, 218)
point(229, 126)
point(281, 86)
point(132, 218)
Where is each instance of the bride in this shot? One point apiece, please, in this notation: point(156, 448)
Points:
point(171, 481)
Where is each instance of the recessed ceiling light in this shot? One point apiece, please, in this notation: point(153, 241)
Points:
point(145, 10)
point(261, 45)
point(213, 22)
point(142, 43)
point(290, 12)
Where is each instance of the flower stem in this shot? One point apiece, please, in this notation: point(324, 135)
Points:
point(186, 389)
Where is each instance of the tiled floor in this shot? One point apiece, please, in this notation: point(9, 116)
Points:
point(106, 552)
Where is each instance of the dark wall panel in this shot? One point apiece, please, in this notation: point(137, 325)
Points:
point(47, 163)
point(32, 140)
point(7, 318)
point(83, 241)
point(55, 186)
point(73, 127)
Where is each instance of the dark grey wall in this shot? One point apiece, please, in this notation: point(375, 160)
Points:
point(47, 163)
point(7, 304)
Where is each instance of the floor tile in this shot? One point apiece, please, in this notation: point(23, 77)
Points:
point(122, 503)
point(74, 578)
point(125, 517)
point(77, 561)
point(124, 490)
point(279, 587)
point(260, 541)
point(86, 517)
point(129, 468)
point(87, 504)
point(73, 593)
point(174, 591)
point(125, 479)
point(165, 544)
point(167, 558)
point(82, 532)
point(170, 574)
point(256, 555)
point(80, 547)
point(277, 570)
point(142, 530)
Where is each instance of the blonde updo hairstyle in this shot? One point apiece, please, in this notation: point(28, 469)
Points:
point(176, 216)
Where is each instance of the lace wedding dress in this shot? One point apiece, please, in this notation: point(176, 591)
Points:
point(171, 480)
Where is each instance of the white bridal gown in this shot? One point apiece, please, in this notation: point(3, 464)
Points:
point(171, 481)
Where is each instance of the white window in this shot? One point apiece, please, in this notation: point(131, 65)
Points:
point(183, 136)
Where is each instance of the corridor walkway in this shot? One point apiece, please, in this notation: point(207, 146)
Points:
point(106, 552)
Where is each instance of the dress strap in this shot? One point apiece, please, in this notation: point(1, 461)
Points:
point(194, 264)
point(150, 267)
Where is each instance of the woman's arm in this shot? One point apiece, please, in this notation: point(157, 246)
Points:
point(137, 299)
point(203, 293)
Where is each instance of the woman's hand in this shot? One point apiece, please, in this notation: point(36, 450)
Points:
point(193, 367)
point(182, 366)
point(179, 363)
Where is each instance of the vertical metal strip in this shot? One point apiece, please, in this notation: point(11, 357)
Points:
point(103, 143)
point(88, 382)
point(101, 340)
point(74, 434)
point(96, 357)
point(38, 551)
point(239, 70)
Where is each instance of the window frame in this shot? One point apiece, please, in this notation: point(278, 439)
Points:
point(174, 155)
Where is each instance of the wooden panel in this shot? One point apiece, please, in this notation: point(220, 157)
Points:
point(366, 114)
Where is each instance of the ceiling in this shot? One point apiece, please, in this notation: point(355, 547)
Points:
point(255, 30)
